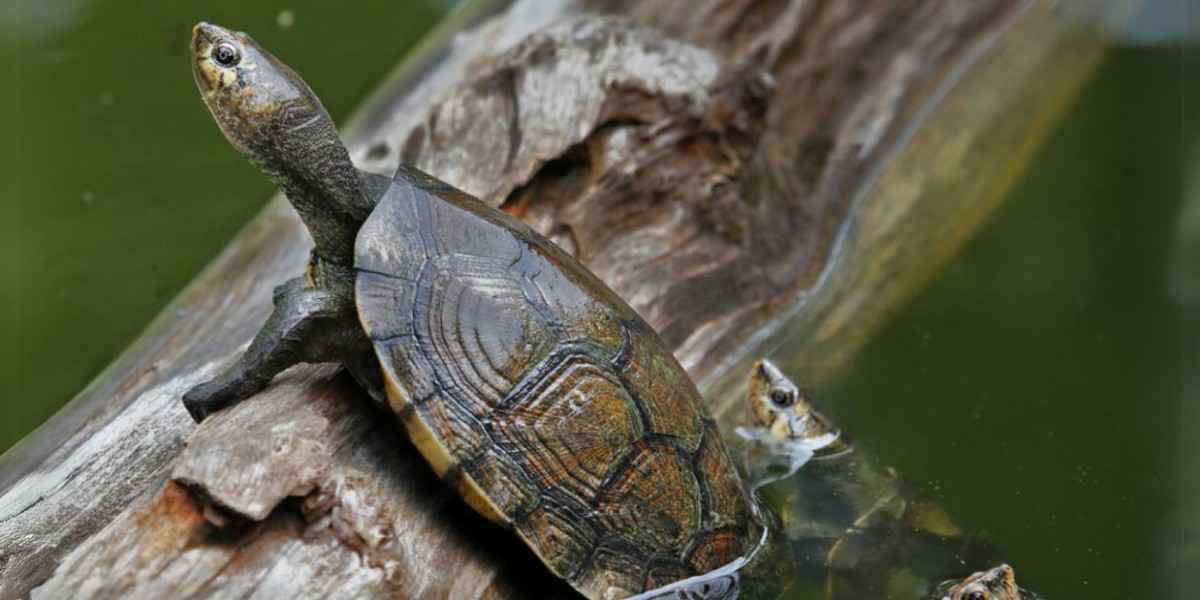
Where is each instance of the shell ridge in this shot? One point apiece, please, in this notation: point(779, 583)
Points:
point(533, 292)
point(434, 343)
point(638, 402)
point(462, 283)
point(648, 439)
point(495, 369)
point(530, 384)
point(706, 501)
point(550, 503)
point(578, 457)
point(391, 338)
point(383, 274)
point(425, 221)
point(422, 273)
point(613, 545)
point(542, 307)
point(636, 467)
point(621, 360)
point(468, 367)
point(538, 372)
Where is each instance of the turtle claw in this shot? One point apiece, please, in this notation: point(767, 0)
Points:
point(208, 398)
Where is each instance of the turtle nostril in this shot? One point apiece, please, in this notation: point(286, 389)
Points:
point(200, 30)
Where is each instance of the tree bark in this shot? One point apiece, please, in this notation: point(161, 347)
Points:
point(752, 176)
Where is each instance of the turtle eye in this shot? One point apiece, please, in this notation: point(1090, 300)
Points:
point(976, 595)
point(781, 398)
point(226, 55)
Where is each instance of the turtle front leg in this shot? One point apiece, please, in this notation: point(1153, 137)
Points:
point(308, 325)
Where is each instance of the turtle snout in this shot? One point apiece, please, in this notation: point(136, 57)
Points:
point(204, 32)
point(200, 37)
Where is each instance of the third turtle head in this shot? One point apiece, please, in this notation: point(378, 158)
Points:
point(998, 583)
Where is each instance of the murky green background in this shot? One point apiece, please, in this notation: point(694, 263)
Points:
point(118, 188)
point(1036, 387)
point(1043, 387)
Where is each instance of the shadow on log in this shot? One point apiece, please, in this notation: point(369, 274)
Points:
point(724, 168)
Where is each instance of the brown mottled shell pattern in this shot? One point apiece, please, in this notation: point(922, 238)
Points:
point(542, 397)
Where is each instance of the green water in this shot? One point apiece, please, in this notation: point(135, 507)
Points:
point(1035, 387)
point(117, 186)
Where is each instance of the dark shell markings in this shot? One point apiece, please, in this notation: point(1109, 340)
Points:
point(554, 407)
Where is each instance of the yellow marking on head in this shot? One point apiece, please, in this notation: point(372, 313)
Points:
point(781, 428)
point(221, 78)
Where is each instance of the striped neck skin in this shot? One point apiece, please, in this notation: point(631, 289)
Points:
point(270, 115)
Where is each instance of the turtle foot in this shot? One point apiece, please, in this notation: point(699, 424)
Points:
point(208, 398)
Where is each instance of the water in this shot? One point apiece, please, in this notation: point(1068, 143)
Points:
point(1042, 390)
point(1034, 388)
point(118, 186)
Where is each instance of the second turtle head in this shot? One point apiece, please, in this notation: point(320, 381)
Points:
point(781, 408)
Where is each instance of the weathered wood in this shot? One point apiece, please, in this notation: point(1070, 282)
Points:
point(706, 197)
point(954, 157)
point(306, 492)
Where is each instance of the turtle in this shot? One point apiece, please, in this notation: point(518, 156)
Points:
point(784, 413)
point(853, 529)
point(997, 583)
point(530, 387)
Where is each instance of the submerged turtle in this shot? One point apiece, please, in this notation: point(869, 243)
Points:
point(529, 386)
point(784, 413)
point(998, 583)
point(853, 530)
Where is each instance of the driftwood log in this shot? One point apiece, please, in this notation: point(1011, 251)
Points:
point(752, 176)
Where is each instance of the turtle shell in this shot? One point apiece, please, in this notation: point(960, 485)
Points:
point(542, 397)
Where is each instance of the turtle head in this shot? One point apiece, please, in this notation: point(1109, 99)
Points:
point(256, 100)
point(998, 583)
point(270, 115)
point(784, 410)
